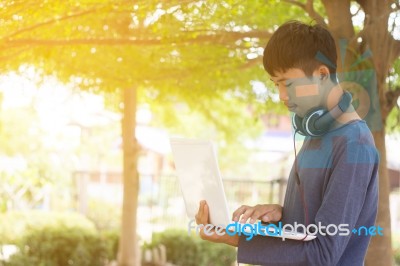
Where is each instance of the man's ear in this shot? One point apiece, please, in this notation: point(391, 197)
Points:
point(323, 72)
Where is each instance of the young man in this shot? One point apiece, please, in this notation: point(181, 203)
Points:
point(333, 181)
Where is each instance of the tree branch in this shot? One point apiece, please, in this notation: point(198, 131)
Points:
point(358, 10)
point(222, 38)
point(51, 21)
point(296, 3)
point(314, 14)
point(361, 3)
point(10, 56)
point(391, 98)
point(309, 8)
point(65, 42)
point(396, 49)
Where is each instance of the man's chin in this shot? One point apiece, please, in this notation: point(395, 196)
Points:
point(296, 111)
point(299, 114)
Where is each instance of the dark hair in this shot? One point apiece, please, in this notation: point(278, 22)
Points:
point(298, 45)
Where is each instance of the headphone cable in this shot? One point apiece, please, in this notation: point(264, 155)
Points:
point(301, 189)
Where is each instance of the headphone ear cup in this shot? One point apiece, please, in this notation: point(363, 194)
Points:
point(308, 123)
point(297, 124)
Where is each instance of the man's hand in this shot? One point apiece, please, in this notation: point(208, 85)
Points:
point(263, 212)
point(202, 217)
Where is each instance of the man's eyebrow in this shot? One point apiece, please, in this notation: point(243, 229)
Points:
point(279, 80)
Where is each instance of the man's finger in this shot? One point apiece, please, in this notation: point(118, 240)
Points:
point(273, 216)
point(199, 213)
point(205, 213)
point(236, 214)
point(246, 215)
point(200, 209)
point(255, 216)
point(265, 218)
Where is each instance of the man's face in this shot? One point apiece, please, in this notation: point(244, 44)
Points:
point(297, 91)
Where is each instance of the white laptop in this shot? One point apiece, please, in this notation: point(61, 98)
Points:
point(200, 179)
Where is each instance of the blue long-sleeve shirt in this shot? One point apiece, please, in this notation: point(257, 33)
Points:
point(339, 175)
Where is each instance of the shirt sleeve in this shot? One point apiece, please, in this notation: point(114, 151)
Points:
point(353, 179)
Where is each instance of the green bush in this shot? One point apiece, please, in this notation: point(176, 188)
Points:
point(190, 250)
point(111, 239)
point(397, 256)
point(217, 254)
point(55, 238)
point(60, 246)
point(103, 214)
point(14, 225)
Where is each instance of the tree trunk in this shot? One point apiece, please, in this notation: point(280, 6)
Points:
point(128, 245)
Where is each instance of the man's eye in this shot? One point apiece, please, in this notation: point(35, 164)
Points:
point(289, 84)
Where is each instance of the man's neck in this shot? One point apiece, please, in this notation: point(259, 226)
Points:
point(345, 118)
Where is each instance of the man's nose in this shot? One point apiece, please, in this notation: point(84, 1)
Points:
point(283, 95)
